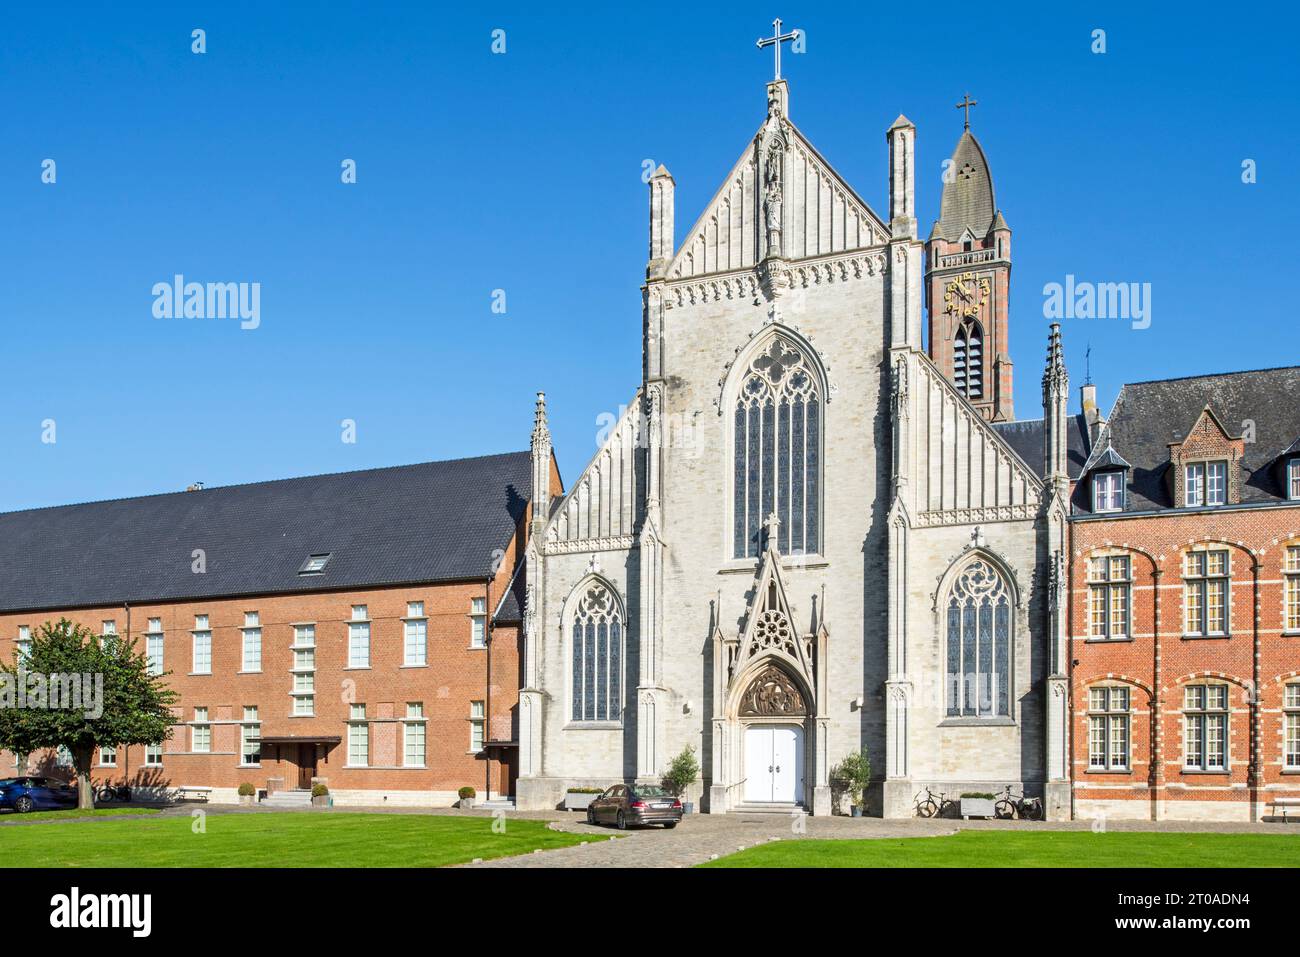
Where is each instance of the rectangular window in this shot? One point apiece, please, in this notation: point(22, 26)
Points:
point(304, 670)
point(476, 725)
point(250, 734)
point(108, 757)
point(359, 638)
point(1293, 480)
point(478, 622)
point(1205, 593)
point(202, 653)
point(1108, 492)
point(1194, 485)
point(62, 756)
point(1109, 590)
point(1291, 574)
point(1291, 745)
point(414, 735)
point(153, 755)
point(358, 737)
point(1108, 729)
point(24, 641)
point(109, 628)
point(252, 641)
point(417, 630)
point(1216, 483)
point(153, 643)
point(1205, 722)
point(201, 732)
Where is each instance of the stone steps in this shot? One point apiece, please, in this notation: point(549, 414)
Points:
point(288, 799)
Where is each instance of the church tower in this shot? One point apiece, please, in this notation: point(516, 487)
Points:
point(968, 277)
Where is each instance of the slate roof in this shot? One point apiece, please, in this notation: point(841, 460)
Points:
point(968, 200)
point(436, 521)
point(1026, 437)
point(1149, 415)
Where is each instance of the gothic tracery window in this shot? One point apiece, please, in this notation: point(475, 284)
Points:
point(979, 643)
point(968, 360)
point(597, 656)
point(777, 464)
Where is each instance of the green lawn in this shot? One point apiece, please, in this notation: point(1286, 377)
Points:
point(36, 816)
point(1031, 849)
point(290, 839)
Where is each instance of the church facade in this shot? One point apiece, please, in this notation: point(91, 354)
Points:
point(809, 533)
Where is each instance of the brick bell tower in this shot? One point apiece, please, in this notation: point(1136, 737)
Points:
point(968, 277)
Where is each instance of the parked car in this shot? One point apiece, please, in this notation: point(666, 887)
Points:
point(625, 805)
point(36, 794)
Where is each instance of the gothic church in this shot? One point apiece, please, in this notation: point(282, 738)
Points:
point(809, 533)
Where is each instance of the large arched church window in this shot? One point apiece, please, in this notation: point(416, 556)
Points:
point(777, 458)
point(968, 360)
point(597, 655)
point(979, 643)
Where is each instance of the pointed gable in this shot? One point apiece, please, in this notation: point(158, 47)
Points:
point(821, 214)
point(770, 631)
point(967, 202)
point(601, 506)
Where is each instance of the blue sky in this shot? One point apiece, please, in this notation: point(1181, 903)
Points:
point(522, 172)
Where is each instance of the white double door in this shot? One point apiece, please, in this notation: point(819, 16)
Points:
point(774, 763)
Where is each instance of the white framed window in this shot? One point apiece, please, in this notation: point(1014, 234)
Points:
point(315, 564)
point(153, 755)
point(108, 757)
point(108, 627)
point(1291, 578)
point(1293, 480)
point(250, 737)
point(252, 641)
point(24, 641)
point(1291, 743)
point(478, 622)
point(358, 737)
point(1194, 485)
point(1205, 727)
point(359, 638)
point(1206, 593)
point(1205, 483)
point(1108, 492)
point(1108, 729)
point(153, 643)
point(413, 735)
point(201, 664)
point(416, 641)
point(62, 756)
point(304, 670)
point(477, 724)
point(1110, 586)
point(200, 732)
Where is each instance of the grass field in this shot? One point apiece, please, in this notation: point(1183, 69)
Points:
point(1005, 848)
point(291, 839)
point(37, 816)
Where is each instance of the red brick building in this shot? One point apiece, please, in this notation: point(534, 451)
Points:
point(1185, 601)
point(358, 629)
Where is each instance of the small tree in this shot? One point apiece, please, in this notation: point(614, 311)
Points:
point(853, 774)
point(76, 690)
point(682, 772)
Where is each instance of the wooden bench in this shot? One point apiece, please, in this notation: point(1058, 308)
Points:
point(196, 793)
point(1282, 804)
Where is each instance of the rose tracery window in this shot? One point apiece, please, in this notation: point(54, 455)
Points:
point(979, 643)
point(777, 465)
point(597, 656)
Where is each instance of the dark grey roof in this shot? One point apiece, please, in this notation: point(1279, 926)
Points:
point(967, 200)
point(1149, 415)
point(437, 521)
point(1026, 437)
point(509, 610)
point(1108, 458)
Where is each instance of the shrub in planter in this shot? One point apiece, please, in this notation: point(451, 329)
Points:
point(577, 799)
point(681, 774)
point(319, 790)
point(852, 775)
point(246, 792)
point(466, 795)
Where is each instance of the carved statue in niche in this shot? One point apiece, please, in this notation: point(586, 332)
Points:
point(772, 693)
point(773, 198)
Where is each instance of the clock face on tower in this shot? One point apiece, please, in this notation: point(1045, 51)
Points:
point(965, 295)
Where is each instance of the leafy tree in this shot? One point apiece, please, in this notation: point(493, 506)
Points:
point(853, 774)
point(682, 772)
point(119, 701)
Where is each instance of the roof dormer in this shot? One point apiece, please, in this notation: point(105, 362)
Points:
point(1205, 465)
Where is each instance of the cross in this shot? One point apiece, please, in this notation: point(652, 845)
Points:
point(775, 40)
point(772, 524)
point(966, 104)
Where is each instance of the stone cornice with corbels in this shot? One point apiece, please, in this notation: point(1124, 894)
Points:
point(747, 283)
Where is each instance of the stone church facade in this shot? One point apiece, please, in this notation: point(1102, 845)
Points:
point(806, 534)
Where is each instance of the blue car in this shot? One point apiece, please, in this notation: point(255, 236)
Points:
point(36, 794)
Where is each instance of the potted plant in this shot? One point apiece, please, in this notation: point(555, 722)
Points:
point(577, 799)
point(681, 774)
point(853, 774)
point(466, 795)
point(977, 804)
point(320, 795)
point(247, 794)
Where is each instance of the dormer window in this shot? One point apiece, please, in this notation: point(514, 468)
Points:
point(315, 564)
point(1205, 483)
point(1293, 480)
point(1108, 492)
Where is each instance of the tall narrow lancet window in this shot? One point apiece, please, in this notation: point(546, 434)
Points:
point(968, 360)
point(979, 643)
point(597, 656)
point(777, 464)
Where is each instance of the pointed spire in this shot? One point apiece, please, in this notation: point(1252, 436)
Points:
point(1056, 384)
point(541, 431)
point(541, 462)
point(1055, 369)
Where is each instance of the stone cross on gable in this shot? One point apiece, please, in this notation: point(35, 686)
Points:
point(771, 525)
point(966, 104)
point(775, 40)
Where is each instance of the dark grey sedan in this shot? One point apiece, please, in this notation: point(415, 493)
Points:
point(626, 805)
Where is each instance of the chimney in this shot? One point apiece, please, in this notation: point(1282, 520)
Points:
point(1091, 414)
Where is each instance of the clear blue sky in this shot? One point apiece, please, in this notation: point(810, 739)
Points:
point(523, 172)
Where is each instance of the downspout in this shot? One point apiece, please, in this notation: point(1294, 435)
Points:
point(1069, 666)
point(1255, 771)
point(126, 748)
point(487, 693)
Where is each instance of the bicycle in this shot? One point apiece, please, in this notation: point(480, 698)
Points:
point(929, 807)
point(1011, 807)
point(110, 793)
